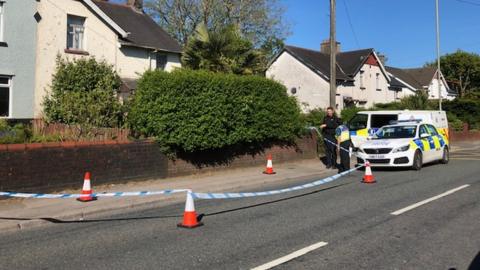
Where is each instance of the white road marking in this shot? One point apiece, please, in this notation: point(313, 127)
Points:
point(290, 256)
point(413, 206)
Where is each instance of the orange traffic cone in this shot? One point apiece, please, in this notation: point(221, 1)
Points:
point(368, 177)
point(269, 169)
point(87, 190)
point(190, 220)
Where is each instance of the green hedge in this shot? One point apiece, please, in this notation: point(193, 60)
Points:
point(466, 110)
point(193, 111)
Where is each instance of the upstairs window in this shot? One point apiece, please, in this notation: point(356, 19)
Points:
point(377, 82)
point(362, 86)
point(1, 19)
point(161, 61)
point(75, 33)
point(5, 87)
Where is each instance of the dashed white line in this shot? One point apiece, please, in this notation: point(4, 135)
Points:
point(413, 206)
point(290, 256)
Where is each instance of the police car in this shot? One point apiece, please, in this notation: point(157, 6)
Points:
point(405, 144)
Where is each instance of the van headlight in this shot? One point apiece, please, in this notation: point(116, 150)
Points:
point(401, 149)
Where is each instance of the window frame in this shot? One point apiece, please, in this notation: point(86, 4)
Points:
point(72, 33)
point(362, 83)
point(9, 85)
point(2, 21)
point(377, 82)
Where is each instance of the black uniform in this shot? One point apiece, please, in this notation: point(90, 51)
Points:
point(328, 133)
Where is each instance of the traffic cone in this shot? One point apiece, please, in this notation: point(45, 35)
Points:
point(368, 177)
point(87, 190)
point(269, 169)
point(190, 220)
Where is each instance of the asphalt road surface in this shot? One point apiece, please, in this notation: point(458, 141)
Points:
point(407, 220)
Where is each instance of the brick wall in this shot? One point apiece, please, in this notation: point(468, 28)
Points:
point(464, 135)
point(55, 166)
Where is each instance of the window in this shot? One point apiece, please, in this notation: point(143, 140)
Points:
point(1, 20)
point(432, 130)
point(377, 82)
point(361, 79)
point(161, 61)
point(359, 121)
point(5, 85)
point(423, 130)
point(75, 33)
point(380, 120)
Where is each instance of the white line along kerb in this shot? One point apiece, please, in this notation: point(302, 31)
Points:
point(290, 256)
point(413, 206)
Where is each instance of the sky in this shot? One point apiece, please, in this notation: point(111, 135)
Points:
point(403, 30)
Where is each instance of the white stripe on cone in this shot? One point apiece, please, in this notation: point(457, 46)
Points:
point(189, 205)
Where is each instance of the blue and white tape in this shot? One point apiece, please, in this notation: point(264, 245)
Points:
point(107, 194)
point(233, 195)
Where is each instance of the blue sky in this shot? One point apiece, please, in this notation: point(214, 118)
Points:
point(404, 30)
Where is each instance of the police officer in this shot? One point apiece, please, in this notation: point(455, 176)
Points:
point(328, 126)
point(344, 144)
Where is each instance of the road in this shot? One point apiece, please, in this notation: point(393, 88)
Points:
point(342, 225)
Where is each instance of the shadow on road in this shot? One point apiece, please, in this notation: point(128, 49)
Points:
point(475, 265)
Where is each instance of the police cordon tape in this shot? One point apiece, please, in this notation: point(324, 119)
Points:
point(335, 144)
point(109, 194)
point(234, 195)
point(228, 195)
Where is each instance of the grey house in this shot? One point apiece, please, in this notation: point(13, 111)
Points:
point(18, 30)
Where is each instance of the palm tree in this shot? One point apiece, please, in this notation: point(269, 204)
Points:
point(222, 50)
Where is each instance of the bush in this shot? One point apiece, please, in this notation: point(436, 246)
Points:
point(349, 113)
point(466, 110)
point(197, 110)
point(83, 92)
point(19, 133)
point(313, 118)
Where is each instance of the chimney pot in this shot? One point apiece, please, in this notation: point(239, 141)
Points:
point(138, 4)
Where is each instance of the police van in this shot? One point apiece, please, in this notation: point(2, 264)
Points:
point(366, 123)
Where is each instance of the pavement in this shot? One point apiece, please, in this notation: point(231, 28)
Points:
point(19, 213)
point(426, 219)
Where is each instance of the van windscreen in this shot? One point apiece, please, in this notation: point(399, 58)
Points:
point(380, 120)
point(359, 121)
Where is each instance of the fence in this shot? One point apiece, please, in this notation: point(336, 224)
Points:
point(76, 133)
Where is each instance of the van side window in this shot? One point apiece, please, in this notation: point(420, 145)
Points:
point(432, 130)
point(359, 121)
point(380, 120)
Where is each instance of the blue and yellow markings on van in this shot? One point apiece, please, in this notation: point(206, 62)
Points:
point(363, 132)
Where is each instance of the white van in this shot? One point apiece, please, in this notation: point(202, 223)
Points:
point(366, 123)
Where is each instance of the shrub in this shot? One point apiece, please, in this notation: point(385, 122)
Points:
point(313, 118)
point(466, 110)
point(348, 113)
point(83, 92)
point(19, 133)
point(197, 110)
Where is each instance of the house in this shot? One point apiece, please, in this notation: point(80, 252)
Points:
point(121, 34)
point(362, 80)
point(18, 26)
point(424, 78)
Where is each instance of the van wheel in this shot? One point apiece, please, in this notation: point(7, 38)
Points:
point(417, 161)
point(446, 156)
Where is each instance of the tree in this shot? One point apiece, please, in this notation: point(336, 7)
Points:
point(83, 92)
point(259, 21)
point(462, 70)
point(223, 50)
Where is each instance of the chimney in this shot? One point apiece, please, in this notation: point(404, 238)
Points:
point(325, 46)
point(138, 4)
point(382, 58)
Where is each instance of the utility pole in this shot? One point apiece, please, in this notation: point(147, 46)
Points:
point(333, 55)
point(438, 57)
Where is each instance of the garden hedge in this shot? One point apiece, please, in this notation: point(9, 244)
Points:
point(193, 111)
